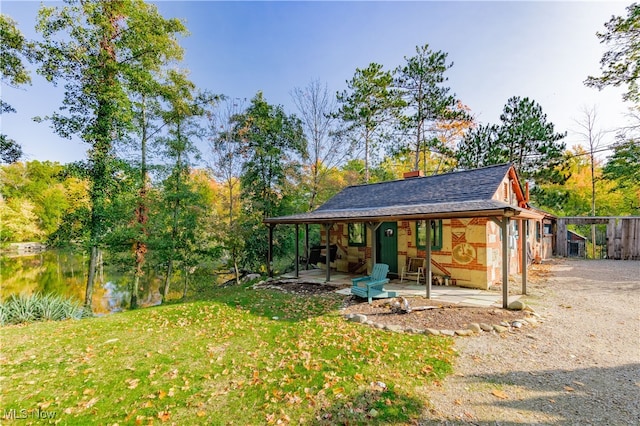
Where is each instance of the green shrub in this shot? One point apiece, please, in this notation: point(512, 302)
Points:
point(37, 307)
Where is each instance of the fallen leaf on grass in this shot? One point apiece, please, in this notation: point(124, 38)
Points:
point(44, 405)
point(90, 403)
point(500, 394)
point(164, 416)
point(132, 383)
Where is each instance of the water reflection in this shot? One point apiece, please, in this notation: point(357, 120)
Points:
point(64, 272)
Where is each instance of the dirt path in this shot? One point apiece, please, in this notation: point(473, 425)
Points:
point(580, 366)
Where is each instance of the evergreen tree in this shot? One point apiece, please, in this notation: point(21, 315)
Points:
point(524, 137)
point(367, 109)
point(619, 64)
point(426, 101)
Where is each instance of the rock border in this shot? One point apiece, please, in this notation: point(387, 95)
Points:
point(471, 329)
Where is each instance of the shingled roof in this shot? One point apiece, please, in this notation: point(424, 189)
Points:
point(466, 193)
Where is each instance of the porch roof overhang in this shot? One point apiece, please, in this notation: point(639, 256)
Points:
point(460, 210)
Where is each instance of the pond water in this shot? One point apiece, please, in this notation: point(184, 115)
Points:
point(64, 272)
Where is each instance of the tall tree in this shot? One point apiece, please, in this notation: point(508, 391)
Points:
point(226, 166)
point(324, 149)
point(367, 108)
point(529, 141)
point(592, 137)
point(102, 50)
point(273, 145)
point(427, 100)
point(620, 65)
point(13, 73)
point(624, 164)
point(182, 120)
point(480, 147)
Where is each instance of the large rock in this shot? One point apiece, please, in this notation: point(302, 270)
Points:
point(517, 305)
point(450, 333)
point(486, 327)
point(357, 318)
point(500, 328)
point(394, 327)
point(432, 332)
point(464, 332)
point(250, 277)
point(474, 327)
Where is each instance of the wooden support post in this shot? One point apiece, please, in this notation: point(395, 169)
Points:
point(428, 272)
point(504, 224)
point(270, 252)
point(297, 251)
point(561, 238)
point(328, 252)
point(524, 234)
point(306, 246)
point(611, 239)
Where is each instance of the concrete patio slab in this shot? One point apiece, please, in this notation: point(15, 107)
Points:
point(441, 294)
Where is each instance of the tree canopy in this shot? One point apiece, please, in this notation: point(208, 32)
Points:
point(368, 107)
point(426, 100)
point(13, 72)
point(524, 137)
point(102, 52)
point(620, 64)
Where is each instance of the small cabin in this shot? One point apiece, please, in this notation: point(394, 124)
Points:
point(462, 221)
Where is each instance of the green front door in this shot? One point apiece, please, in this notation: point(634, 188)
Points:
point(387, 245)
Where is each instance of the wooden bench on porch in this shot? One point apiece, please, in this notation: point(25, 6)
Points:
point(372, 286)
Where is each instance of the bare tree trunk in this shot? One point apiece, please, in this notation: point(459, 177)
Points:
point(167, 280)
point(101, 266)
point(91, 277)
point(186, 284)
point(236, 270)
point(366, 157)
point(593, 206)
point(416, 165)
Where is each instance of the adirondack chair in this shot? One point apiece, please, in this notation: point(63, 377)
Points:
point(414, 268)
point(373, 285)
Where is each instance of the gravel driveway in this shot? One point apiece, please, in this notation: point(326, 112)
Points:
point(580, 366)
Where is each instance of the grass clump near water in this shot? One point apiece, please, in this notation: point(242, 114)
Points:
point(23, 308)
point(242, 356)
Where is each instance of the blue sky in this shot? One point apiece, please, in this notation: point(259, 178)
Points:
point(543, 50)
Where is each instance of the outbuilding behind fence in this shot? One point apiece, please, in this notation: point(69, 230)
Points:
point(623, 235)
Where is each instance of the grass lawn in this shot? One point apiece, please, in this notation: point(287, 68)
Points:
point(240, 356)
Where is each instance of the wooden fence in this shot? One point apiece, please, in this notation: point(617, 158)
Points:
point(623, 235)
